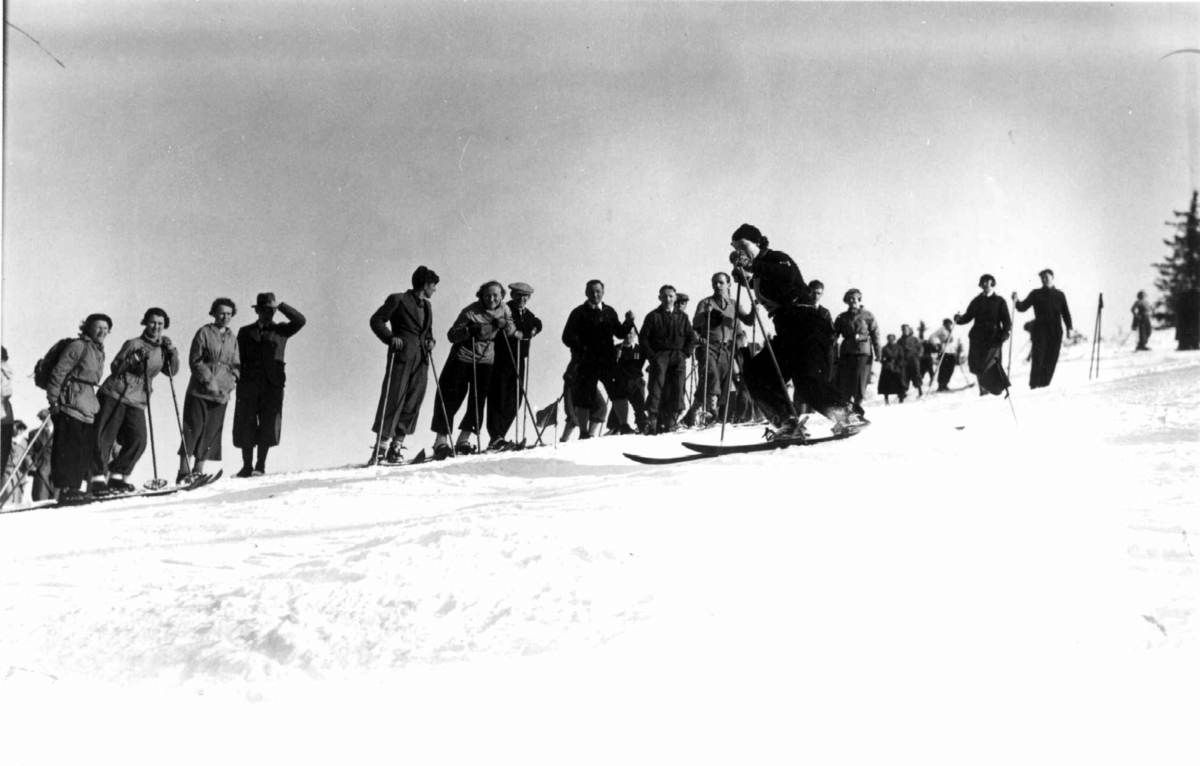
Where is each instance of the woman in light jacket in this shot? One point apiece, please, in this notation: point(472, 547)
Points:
point(70, 391)
point(215, 368)
point(468, 371)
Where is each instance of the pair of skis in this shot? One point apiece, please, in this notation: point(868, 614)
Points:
point(704, 451)
point(104, 497)
point(423, 457)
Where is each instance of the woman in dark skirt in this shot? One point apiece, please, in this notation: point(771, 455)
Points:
point(891, 377)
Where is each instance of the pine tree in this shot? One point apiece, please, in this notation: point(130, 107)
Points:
point(1179, 280)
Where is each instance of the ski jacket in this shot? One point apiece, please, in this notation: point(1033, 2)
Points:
point(590, 330)
point(778, 280)
point(215, 363)
point(664, 330)
point(261, 349)
point(1141, 311)
point(939, 338)
point(992, 321)
point(859, 333)
point(1050, 310)
point(476, 330)
point(892, 357)
point(138, 361)
point(407, 316)
point(912, 346)
point(73, 380)
point(724, 332)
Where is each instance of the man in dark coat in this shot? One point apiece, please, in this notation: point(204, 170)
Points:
point(667, 341)
point(993, 325)
point(589, 333)
point(509, 369)
point(1050, 313)
point(258, 411)
point(914, 349)
point(405, 323)
point(801, 343)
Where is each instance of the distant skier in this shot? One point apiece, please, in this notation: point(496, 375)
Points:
point(860, 346)
point(947, 347)
point(123, 399)
point(801, 338)
point(1050, 313)
point(589, 333)
point(405, 324)
point(891, 373)
point(70, 390)
point(667, 341)
point(258, 411)
point(503, 398)
point(1142, 312)
point(216, 366)
point(468, 372)
point(911, 370)
point(993, 325)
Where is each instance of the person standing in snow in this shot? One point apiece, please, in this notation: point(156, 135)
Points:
point(258, 412)
point(7, 422)
point(949, 349)
point(124, 397)
point(1050, 313)
point(504, 393)
point(468, 371)
point(1142, 312)
point(891, 374)
point(216, 365)
point(70, 391)
point(405, 324)
point(913, 350)
point(629, 387)
point(817, 287)
point(860, 346)
point(801, 338)
point(589, 333)
point(715, 323)
point(667, 341)
point(993, 325)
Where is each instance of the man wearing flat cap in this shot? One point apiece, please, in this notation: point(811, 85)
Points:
point(1050, 312)
point(511, 367)
point(258, 412)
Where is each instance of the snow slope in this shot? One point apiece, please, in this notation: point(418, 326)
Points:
point(946, 587)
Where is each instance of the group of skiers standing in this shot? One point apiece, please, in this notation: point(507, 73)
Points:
point(94, 430)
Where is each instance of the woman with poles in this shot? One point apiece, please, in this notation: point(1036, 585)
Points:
point(215, 363)
point(124, 403)
point(468, 371)
point(801, 343)
point(504, 395)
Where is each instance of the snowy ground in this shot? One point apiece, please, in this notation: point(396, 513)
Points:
point(946, 587)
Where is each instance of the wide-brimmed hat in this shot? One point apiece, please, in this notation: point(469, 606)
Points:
point(264, 299)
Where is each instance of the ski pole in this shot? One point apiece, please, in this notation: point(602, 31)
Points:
point(187, 459)
point(528, 407)
point(437, 385)
point(475, 396)
point(729, 379)
point(18, 475)
point(157, 483)
point(754, 301)
point(387, 390)
point(707, 336)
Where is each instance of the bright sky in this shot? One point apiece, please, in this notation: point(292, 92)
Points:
point(324, 150)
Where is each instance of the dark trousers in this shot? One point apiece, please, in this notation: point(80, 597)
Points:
point(668, 376)
point(854, 370)
point(1046, 347)
point(203, 427)
point(712, 374)
point(801, 346)
point(1143, 331)
point(946, 371)
point(503, 396)
point(458, 382)
point(257, 415)
point(72, 452)
point(403, 395)
point(121, 424)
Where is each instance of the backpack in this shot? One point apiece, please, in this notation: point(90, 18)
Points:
point(45, 366)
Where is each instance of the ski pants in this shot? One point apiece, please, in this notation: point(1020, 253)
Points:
point(461, 380)
point(854, 370)
point(713, 379)
point(666, 392)
point(946, 371)
point(1046, 346)
point(123, 424)
point(503, 398)
point(1143, 331)
point(400, 398)
point(203, 427)
point(71, 456)
point(801, 346)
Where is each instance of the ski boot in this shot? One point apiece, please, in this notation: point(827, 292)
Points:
point(792, 429)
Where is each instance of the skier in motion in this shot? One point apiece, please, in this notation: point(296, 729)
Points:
point(799, 350)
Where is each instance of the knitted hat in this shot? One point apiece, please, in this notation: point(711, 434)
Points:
point(747, 232)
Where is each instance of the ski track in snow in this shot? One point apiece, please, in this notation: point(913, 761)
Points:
point(943, 553)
